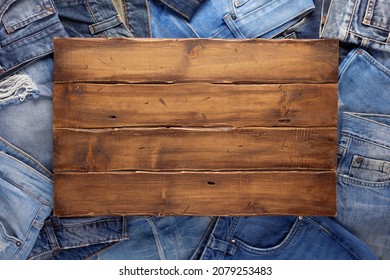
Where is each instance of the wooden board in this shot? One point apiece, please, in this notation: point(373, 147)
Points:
point(195, 127)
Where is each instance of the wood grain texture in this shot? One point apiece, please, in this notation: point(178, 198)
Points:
point(195, 149)
point(217, 193)
point(194, 105)
point(189, 60)
point(195, 127)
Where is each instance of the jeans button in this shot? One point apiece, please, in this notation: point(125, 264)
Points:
point(37, 8)
point(18, 243)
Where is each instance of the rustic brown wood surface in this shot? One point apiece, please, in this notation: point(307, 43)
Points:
point(195, 127)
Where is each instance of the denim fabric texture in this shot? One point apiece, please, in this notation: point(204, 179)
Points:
point(25, 201)
point(282, 238)
point(159, 238)
point(364, 23)
point(229, 19)
point(183, 8)
point(364, 151)
point(91, 18)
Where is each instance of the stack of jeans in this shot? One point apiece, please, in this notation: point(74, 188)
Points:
point(28, 230)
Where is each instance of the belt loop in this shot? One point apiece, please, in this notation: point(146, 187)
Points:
point(51, 236)
point(233, 27)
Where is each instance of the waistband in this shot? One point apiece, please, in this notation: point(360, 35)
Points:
point(268, 20)
point(28, 37)
point(369, 127)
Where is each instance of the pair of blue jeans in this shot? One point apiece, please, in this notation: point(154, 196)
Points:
point(363, 179)
point(229, 19)
point(362, 23)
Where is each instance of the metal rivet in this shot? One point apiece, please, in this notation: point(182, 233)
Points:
point(359, 160)
point(233, 241)
point(300, 217)
point(18, 243)
point(37, 8)
point(360, 51)
point(234, 17)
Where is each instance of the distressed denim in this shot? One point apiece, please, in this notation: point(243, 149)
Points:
point(229, 19)
point(282, 238)
point(25, 201)
point(363, 181)
point(364, 23)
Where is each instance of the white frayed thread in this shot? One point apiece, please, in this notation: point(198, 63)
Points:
point(17, 88)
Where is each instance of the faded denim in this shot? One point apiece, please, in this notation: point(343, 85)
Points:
point(364, 23)
point(229, 19)
point(25, 201)
point(363, 180)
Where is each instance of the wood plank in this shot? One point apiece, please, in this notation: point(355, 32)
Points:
point(231, 193)
point(131, 105)
point(187, 60)
point(194, 149)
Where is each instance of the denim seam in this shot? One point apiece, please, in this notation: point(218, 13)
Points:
point(363, 183)
point(126, 14)
point(89, 223)
point(22, 153)
point(327, 17)
point(360, 117)
point(379, 66)
point(350, 20)
point(176, 10)
point(347, 63)
point(233, 227)
point(207, 233)
point(275, 249)
point(190, 27)
point(7, 237)
point(26, 166)
point(148, 18)
point(368, 39)
point(24, 190)
point(109, 246)
point(89, 8)
point(156, 239)
point(359, 138)
point(330, 233)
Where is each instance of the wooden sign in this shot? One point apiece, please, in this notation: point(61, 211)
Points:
point(195, 127)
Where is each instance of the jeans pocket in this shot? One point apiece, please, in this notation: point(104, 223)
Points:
point(369, 169)
point(22, 13)
point(9, 245)
point(273, 249)
point(377, 14)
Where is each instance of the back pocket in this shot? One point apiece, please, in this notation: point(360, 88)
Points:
point(22, 13)
point(370, 170)
point(378, 14)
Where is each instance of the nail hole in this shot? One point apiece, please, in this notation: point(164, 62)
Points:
point(112, 117)
point(210, 183)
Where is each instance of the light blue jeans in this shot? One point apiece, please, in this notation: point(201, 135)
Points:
point(363, 182)
point(229, 19)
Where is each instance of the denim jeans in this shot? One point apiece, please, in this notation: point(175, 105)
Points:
point(364, 23)
point(282, 238)
point(229, 19)
point(159, 238)
point(25, 201)
point(363, 180)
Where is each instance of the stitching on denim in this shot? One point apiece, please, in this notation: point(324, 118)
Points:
point(355, 6)
point(330, 233)
point(347, 62)
point(24, 190)
point(208, 232)
point(362, 183)
point(327, 17)
point(7, 237)
point(156, 239)
point(287, 19)
point(83, 224)
point(26, 165)
point(148, 18)
point(359, 138)
point(275, 249)
point(190, 27)
point(18, 151)
point(176, 10)
point(109, 246)
point(372, 40)
point(357, 116)
point(381, 67)
point(126, 14)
